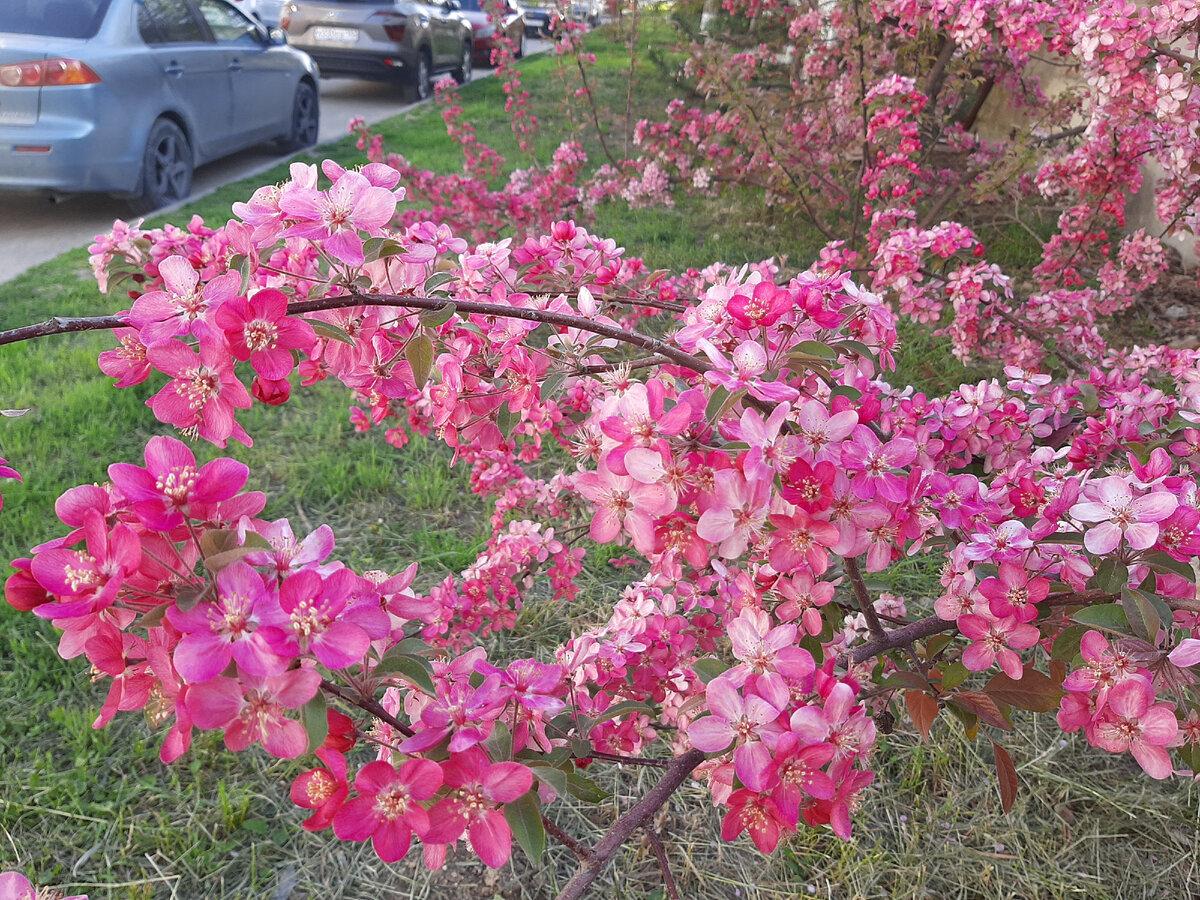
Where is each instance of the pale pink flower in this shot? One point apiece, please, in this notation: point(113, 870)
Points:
point(1118, 514)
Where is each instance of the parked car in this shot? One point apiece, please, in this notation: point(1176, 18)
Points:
point(487, 34)
point(540, 13)
point(129, 96)
point(385, 40)
point(269, 12)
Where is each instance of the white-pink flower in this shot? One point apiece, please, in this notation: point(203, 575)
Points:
point(1118, 514)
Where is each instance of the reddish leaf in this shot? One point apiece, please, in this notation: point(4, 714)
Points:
point(1035, 692)
point(1058, 672)
point(1006, 772)
point(922, 709)
point(984, 707)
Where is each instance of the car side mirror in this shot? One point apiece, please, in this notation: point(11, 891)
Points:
point(452, 5)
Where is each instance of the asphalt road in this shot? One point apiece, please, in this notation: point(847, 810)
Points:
point(33, 229)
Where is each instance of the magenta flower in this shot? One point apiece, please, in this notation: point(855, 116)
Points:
point(994, 638)
point(1118, 514)
point(623, 504)
point(479, 786)
point(335, 217)
point(758, 815)
point(127, 363)
point(1014, 593)
point(797, 770)
point(164, 491)
point(323, 619)
point(765, 305)
point(388, 809)
point(203, 391)
point(1132, 721)
point(259, 329)
point(228, 628)
point(763, 649)
point(322, 790)
point(252, 710)
point(181, 307)
point(15, 886)
point(87, 581)
point(463, 713)
point(800, 542)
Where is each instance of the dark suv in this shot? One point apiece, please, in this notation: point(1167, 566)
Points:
point(384, 40)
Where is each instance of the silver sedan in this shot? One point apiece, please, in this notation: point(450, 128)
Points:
point(129, 96)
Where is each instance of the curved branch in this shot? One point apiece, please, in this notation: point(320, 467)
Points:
point(61, 325)
point(641, 813)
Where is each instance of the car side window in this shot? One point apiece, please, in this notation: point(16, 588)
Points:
point(228, 25)
point(169, 22)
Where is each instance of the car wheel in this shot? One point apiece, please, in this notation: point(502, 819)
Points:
point(422, 85)
point(306, 119)
point(463, 73)
point(166, 167)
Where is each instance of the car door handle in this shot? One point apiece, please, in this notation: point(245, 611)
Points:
point(235, 65)
point(173, 68)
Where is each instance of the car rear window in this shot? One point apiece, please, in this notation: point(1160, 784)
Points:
point(53, 18)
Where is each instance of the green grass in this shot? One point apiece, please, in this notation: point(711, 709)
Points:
point(95, 811)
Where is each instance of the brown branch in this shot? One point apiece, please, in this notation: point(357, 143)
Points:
point(897, 638)
point(473, 307)
point(367, 704)
point(863, 597)
point(660, 852)
point(566, 840)
point(632, 760)
point(937, 75)
point(62, 325)
point(637, 817)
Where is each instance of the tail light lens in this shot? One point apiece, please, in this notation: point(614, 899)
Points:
point(47, 73)
point(393, 25)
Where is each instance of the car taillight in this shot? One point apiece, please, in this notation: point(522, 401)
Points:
point(393, 25)
point(47, 73)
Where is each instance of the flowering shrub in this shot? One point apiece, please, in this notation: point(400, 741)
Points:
point(864, 118)
point(731, 429)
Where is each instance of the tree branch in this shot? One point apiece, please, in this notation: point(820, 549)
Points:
point(637, 817)
point(367, 704)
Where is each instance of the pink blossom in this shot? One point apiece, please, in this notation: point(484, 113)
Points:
point(388, 808)
point(478, 785)
point(1118, 514)
point(1132, 721)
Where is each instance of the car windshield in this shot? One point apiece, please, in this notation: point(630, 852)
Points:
point(53, 18)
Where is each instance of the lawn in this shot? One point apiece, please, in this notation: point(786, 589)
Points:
point(94, 811)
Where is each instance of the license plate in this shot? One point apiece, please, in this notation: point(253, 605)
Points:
point(335, 35)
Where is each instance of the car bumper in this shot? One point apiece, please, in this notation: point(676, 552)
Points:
point(395, 65)
point(68, 156)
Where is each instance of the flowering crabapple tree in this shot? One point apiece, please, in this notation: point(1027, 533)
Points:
point(864, 119)
point(732, 431)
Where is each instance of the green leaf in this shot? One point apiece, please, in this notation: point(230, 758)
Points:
point(329, 330)
point(585, 789)
point(413, 668)
point(905, 679)
point(524, 817)
point(816, 348)
point(315, 721)
point(256, 826)
point(953, 675)
point(716, 403)
point(1066, 645)
point(499, 743)
point(1111, 577)
point(624, 708)
point(556, 779)
point(1142, 615)
point(552, 385)
point(435, 318)
point(226, 558)
point(436, 280)
point(708, 668)
point(857, 348)
point(845, 390)
point(419, 353)
point(1165, 561)
point(1105, 616)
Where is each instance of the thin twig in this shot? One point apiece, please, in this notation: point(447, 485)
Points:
point(367, 704)
point(637, 817)
point(566, 840)
point(656, 845)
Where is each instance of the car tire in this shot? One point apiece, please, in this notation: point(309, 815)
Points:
point(306, 119)
point(421, 87)
point(167, 167)
point(463, 73)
